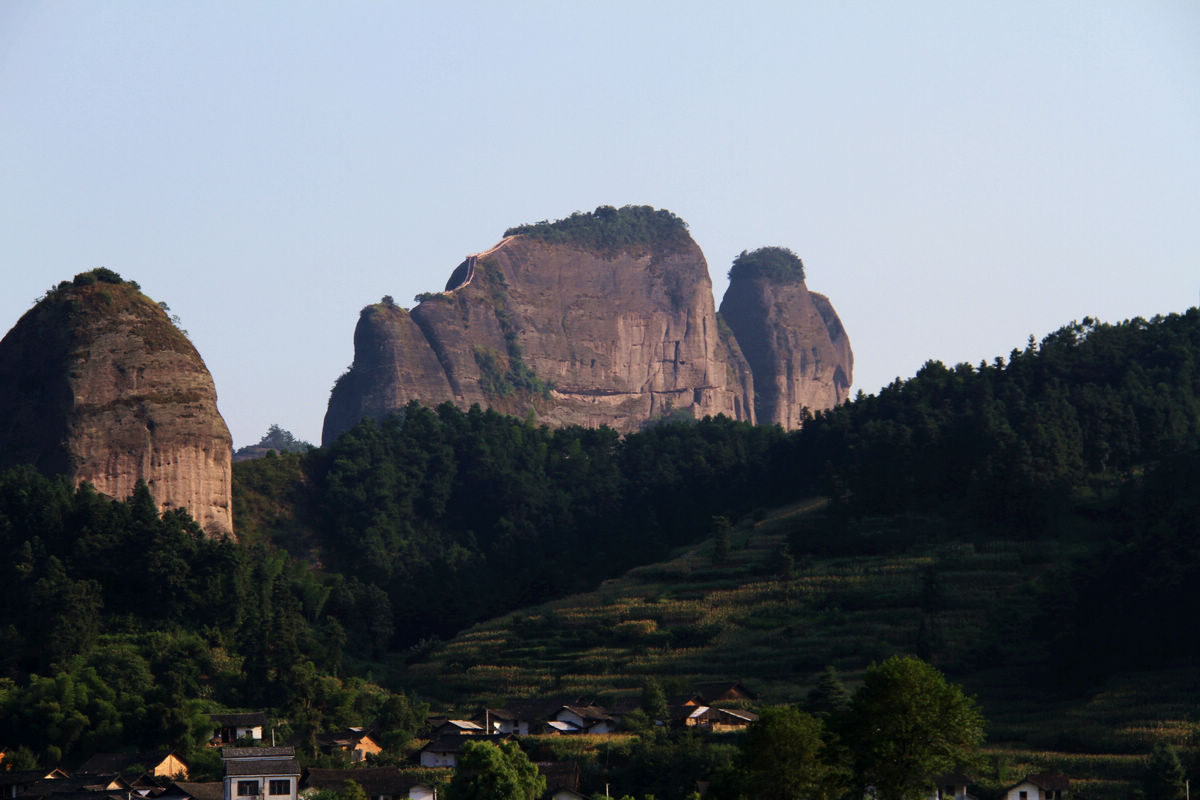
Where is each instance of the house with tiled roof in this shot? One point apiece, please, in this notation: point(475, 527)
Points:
point(444, 751)
point(1039, 786)
point(354, 743)
point(529, 715)
point(456, 727)
point(712, 692)
point(229, 727)
point(16, 783)
point(718, 720)
point(260, 773)
point(68, 786)
point(501, 720)
point(590, 719)
point(952, 786)
point(379, 783)
point(194, 790)
point(164, 763)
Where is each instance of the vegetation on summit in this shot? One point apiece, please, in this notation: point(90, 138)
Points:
point(774, 264)
point(607, 228)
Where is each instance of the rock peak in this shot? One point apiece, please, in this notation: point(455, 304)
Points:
point(792, 338)
point(601, 318)
point(98, 384)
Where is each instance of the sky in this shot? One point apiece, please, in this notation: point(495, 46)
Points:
point(957, 176)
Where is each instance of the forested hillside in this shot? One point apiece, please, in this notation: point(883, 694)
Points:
point(123, 626)
point(1012, 441)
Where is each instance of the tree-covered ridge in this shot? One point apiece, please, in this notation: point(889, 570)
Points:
point(774, 264)
point(1096, 428)
point(123, 627)
point(608, 228)
point(1087, 407)
point(474, 513)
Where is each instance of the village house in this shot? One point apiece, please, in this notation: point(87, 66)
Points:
point(1039, 786)
point(194, 790)
point(456, 727)
point(707, 694)
point(158, 763)
point(379, 783)
point(229, 728)
point(717, 720)
point(444, 751)
point(501, 720)
point(523, 717)
point(15, 783)
point(63, 785)
point(590, 719)
point(952, 786)
point(260, 773)
point(356, 743)
point(723, 692)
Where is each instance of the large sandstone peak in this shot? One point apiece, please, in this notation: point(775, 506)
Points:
point(604, 318)
point(795, 343)
point(97, 383)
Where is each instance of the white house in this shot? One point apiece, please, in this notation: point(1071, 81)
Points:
point(1040, 786)
point(458, 727)
point(443, 751)
point(585, 719)
point(501, 720)
point(260, 773)
point(951, 786)
point(228, 728)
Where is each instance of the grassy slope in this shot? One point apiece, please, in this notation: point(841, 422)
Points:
point(687, 620)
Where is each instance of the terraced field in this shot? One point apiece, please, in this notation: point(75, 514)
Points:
point(950, 596)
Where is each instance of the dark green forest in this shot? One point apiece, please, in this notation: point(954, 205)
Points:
point(121, 626)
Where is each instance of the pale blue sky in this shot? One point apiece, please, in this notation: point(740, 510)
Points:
point(955, 175)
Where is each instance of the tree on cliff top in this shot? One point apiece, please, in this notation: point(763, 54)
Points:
point(775, 264)
point(608, 228)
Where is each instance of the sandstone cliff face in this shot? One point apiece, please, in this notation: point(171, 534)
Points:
point(581, 336)
point(795, 344)
point(599, 319)
point(97, 384)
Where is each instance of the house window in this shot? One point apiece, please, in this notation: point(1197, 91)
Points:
point(1024, 795)
point(247, 788)
point(281, 787)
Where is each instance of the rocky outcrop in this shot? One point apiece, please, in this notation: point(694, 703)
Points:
point(795, 343)
point(580, 332)
point(600, 319)
point(96, 383)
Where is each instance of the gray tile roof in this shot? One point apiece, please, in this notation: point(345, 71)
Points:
point(249, 768)
point(257, 752)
